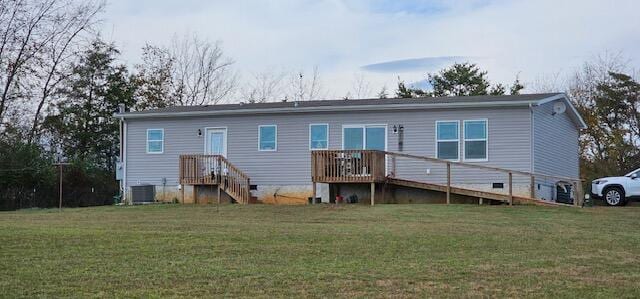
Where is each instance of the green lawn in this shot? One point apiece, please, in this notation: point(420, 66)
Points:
point(321, 251)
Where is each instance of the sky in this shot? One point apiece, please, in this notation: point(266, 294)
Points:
point(382, 40)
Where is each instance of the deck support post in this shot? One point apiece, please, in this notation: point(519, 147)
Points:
point(195, 194)
point(313, 194)
point(393, 166)
point(448, 183)
point(219, 194)
point(373, 193)
point(480, 201)
point(182, 193)
point(577, 190)
point(510, 188)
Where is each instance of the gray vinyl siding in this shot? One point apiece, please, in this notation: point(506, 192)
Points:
point(509, 143)
point(556, 149)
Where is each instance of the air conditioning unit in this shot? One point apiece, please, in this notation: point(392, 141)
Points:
point(143, 194)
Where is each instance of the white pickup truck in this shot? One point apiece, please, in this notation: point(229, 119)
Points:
point(617, 191)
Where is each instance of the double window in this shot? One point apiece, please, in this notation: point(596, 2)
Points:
point(475, 140)
point(319, 136)
point(268, 138)
point(155, 141)
point(368, 137)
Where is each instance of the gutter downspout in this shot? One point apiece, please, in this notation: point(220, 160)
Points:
point(531, 138)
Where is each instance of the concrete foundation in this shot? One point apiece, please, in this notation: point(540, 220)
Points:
point(284, 195)
point(399, 194)
point(299, 194)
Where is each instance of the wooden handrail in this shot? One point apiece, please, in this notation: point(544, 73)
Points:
point(200, 169)
point(465, 164)
point(235, 182)
point(354, 166)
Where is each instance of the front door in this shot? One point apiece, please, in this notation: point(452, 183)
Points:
point(216, 142)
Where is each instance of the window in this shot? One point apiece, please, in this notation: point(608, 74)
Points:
point(267, 138)
point(475, 140)
point(447, 140)
point(155, 141)
point(369, 137)
point(318, 136)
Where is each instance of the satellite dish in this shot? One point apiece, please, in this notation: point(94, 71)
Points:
point(559, 108)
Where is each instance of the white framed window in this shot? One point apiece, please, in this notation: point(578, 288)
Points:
point(268, 138)
point(476, 145)
point(448, 140)
point(318, 136)
point(155, 141)
point(368, 137)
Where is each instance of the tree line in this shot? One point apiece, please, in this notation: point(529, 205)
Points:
point(60, 84)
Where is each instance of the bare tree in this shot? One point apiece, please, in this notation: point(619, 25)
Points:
point(202, 72)
point(199, 72)
point(264, 87)
point(582, 90)
point(21, 39)
point(553, 82)
point(302, 88)
point(66, 31)
point(35, 37)
point(360, 87)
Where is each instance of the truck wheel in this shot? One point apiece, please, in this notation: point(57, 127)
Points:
point(614, 196)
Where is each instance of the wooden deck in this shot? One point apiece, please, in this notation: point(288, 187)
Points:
point(369, 166)
point(215, 170)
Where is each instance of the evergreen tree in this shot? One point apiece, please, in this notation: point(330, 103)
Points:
point(461, 79)
point(84, 127)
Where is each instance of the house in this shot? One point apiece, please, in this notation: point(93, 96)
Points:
point(527, 144)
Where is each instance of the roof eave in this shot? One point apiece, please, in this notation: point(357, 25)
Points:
point(326, 109)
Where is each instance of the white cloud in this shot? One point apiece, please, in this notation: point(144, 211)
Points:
point(530, 38)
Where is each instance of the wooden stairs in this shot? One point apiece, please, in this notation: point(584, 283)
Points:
point(215, 170)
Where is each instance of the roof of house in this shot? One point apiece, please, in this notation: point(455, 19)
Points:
point(355, 105)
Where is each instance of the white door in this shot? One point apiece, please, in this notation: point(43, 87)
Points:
point(216, 143)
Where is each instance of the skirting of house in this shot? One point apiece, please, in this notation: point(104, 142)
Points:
point(299, 194)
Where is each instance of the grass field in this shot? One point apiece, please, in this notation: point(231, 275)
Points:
point(321, 251)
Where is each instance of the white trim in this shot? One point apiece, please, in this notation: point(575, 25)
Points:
point(206, 138)
point(147, 143)
point(563, 96)
point(379, 107)
point(486, 140)
point(364, 133)
point(124, 176)
point(319, 124)
point(276, 139)
point(447, 140)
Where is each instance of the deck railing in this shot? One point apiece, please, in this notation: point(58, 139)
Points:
point(362, 166)
point(215, 170)
point(348, 166)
